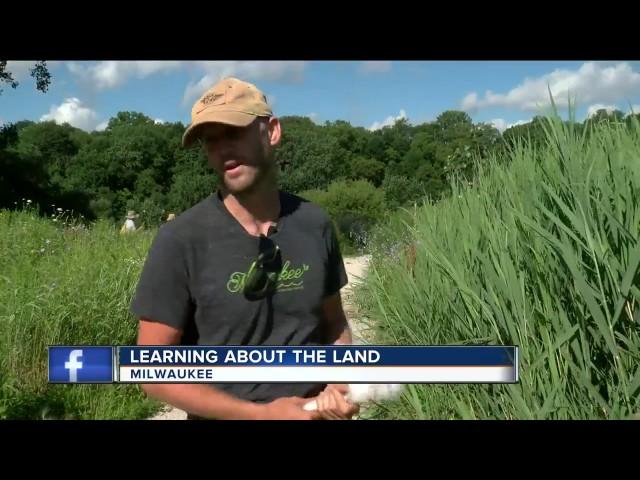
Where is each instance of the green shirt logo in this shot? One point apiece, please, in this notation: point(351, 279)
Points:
point(288, 279)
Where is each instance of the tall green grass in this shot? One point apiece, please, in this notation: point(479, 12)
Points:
point(61, 284)
point(543, 253)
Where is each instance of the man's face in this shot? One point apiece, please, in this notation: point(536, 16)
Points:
point(242, 156)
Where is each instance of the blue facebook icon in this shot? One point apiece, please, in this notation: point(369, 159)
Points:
point(83, 364)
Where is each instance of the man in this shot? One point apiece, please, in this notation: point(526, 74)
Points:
point(249, 265)
point(129, 224)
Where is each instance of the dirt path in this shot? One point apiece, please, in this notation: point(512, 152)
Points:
point(356, 269)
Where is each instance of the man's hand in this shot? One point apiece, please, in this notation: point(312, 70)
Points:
point(288, 408)
point(333, 406)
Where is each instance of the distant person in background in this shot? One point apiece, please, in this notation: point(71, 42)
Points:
point(171, 216)
point(248, 265)
point(129, 224)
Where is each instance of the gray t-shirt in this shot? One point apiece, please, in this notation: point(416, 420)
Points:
point(193, 276)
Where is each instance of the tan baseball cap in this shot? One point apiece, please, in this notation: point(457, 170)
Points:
point(230, 101)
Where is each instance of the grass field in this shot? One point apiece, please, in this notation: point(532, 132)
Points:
point(64, 285)
point(543, 253)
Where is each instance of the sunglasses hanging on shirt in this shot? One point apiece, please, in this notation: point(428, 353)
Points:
point(262, 278)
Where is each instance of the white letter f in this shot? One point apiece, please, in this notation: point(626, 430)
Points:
point(73, 365)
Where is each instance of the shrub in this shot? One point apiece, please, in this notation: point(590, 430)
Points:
point(354, 205)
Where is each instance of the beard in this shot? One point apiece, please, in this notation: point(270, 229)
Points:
point(252, 176)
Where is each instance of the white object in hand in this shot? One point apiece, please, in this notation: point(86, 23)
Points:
point(366, 392)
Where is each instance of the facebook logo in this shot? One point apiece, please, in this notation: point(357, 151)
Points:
point(82, 364)
point(73, 364)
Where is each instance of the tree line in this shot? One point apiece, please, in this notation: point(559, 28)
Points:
point(138, 164)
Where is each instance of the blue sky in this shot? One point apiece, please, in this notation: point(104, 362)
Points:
point(367, 94)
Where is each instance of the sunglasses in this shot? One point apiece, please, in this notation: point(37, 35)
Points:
point(263, 274)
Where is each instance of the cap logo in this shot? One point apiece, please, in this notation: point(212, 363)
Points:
point(210, 98)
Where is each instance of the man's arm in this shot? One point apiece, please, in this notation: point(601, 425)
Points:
point(339, 332)
point(331, 401)
point(208, 402)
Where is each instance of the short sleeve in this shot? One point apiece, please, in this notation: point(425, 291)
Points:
point(336, 277)
point(163, 294)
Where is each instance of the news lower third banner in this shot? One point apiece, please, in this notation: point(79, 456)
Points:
point(272, 364)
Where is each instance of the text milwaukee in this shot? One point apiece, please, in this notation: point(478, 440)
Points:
point(186, 374)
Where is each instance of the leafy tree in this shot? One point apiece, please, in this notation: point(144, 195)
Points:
point(307, 155)
point(192, 180)
point(399, 190)
point(453, 121)
point(39, 72)
point(354, 205)
point(376, 146)
point(531, 132)
point(421, 151)
point(367, 169)
point(137, 164)
point(632, 117)
point(603, 115)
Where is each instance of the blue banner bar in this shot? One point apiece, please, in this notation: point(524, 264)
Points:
point(81, 364)
point(343, 355)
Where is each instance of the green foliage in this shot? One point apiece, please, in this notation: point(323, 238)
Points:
point(354, 205)
point(47, 266)
point(308, 157)
point(136, 164)
point(400, 191)
point(542, 252)
point(192, 180)
point(133, 164)
point(367, 169)
point(603, 115)
point(533, 133)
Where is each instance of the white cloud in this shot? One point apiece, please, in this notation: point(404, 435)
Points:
point(314, 117)
point(250, 71)
point(19, 69)
point(102, 126)
point(73, 112)
point(470, 102)
point(374, 67)
point(591, 83)
point(77, 69)
point(501, 124)
point(111, 74)
point(593, 109)
point(389, 121)
point(158, 121)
